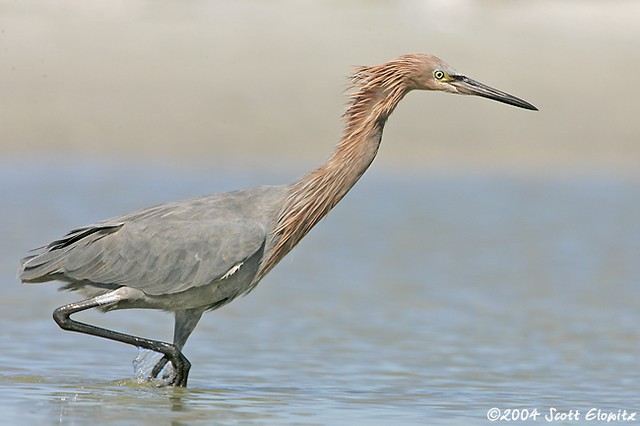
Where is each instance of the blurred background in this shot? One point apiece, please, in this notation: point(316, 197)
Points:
point(213, 84)
point(488, 258)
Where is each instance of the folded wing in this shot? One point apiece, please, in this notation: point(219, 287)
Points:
point(162, 258)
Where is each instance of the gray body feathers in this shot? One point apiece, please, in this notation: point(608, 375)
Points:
point(209, 249)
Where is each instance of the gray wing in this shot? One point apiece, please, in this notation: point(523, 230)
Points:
point(161, 258)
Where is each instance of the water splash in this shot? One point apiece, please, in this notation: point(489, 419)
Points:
point(143, 365)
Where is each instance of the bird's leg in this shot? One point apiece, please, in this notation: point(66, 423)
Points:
point(62, 316)
point(185, 321)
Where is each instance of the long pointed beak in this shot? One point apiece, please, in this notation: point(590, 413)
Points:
point(468, 86)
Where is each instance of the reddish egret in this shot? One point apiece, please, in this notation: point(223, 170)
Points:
point(197, 255)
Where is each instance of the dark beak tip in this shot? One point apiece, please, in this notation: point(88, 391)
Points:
point(517, 102)
point(473, 87)
point(526, 105)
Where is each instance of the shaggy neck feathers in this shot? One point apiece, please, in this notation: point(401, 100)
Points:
point(376, 92)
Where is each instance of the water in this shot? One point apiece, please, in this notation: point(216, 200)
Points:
point(421, 299)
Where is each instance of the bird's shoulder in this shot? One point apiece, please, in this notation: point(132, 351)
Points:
point(255, 203)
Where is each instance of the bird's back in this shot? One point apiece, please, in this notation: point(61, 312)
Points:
point(167, 249)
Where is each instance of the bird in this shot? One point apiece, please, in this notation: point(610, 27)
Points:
point(197, 255)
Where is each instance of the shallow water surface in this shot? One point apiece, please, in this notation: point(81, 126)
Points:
point(419, 300)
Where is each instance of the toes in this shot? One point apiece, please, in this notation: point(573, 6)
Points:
point(180, 367)
point(158, 367)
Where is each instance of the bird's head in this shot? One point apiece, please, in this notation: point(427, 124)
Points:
point(427, 72)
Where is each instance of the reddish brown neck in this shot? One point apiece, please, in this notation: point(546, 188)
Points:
point(315, 194)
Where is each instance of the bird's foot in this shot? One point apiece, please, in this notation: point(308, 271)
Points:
point(170, 370)
point(175, 374)
point(157, 369)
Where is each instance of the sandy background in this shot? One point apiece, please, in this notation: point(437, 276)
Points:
point(253, 83)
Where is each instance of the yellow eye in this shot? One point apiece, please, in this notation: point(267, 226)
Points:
point(439, 74)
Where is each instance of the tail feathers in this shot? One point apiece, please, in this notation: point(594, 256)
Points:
point(48, 261)
point(41, 266)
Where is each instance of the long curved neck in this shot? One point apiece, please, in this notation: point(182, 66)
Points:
point(315, 194)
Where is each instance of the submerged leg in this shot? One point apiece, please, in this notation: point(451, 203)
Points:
point(186, 320)
point(62, 317)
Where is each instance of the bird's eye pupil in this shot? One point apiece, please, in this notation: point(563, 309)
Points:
point(439, 75)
